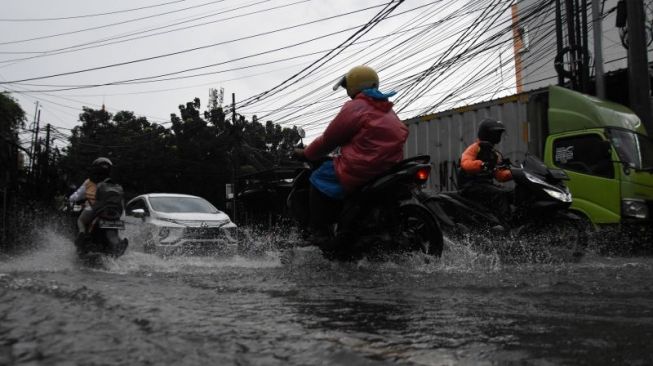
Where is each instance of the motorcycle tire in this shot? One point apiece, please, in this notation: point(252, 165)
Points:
point(419, 230)
point(112, 243)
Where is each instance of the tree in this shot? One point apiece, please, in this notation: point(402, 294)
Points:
point(12, 118)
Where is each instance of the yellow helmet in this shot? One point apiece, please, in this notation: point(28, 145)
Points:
point(357, 79)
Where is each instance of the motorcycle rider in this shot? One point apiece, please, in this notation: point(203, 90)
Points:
point(370, 140)
point(100, 170)
point(479, 169)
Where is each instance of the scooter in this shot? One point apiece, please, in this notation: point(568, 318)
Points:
point(540, 215)
point(385, 216)
point(103, 237)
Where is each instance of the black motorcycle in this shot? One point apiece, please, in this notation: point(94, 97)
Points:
point(103, 237)
point(539, 216)
point(385, 216)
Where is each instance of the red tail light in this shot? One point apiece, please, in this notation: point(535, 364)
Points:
point(422, 175)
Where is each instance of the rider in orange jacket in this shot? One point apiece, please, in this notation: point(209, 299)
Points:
point(99, 171)
point(479, 169)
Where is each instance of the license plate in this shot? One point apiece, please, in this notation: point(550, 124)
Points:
point(109, 224)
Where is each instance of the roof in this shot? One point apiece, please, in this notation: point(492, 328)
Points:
point(168, 195)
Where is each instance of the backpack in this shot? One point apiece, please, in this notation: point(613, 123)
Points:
point(108, 194)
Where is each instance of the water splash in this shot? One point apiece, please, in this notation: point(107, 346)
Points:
point(50, 251)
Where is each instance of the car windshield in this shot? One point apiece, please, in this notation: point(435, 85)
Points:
point(182, 205)
point(633, 148)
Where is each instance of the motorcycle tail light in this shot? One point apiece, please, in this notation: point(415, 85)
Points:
point(422, 175)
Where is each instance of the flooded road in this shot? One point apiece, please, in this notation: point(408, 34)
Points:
point(299, 309)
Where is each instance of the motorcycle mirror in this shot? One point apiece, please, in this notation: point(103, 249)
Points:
point(301, 132)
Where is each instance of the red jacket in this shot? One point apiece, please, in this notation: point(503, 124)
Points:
point(472, 165)
point(371, 138)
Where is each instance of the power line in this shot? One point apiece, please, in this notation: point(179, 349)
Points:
point(191, 49)
point(321, 61)
point(116, 39)
point(87, 15)
point(109, 25)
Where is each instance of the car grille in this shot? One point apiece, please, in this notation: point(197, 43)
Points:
point(204, 233)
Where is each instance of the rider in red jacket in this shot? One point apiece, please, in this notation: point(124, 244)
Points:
point(370, 138)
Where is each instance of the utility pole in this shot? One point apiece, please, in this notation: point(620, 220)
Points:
point(573, 45)
point(597, 28)
point(36, 149)
point(639, 85)
point(234, 155)
point(584, 48)
point(561, 78)
point(518, 44)
point(46, 164)
point(34, 137)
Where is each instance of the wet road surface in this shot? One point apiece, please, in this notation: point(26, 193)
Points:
point(464, 309)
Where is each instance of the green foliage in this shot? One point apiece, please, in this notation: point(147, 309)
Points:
point(197, 154)
point(12, 117)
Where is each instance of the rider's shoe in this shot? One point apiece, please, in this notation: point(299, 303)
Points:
point(498, 229)
point(82, 239)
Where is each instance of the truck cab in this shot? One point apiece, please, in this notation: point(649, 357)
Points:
point(607, 155)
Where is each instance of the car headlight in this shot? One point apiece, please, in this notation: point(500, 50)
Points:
point(634, 208)
point(560, 196)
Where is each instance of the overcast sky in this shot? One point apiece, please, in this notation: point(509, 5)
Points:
point(36, 43)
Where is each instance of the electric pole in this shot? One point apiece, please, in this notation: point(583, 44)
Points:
point(639, 85)
point(34, 137)
point(234, 154)
point(35, 146)
point(598, 49)
point(46, 165)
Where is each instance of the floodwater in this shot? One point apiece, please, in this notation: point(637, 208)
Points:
point(295, 308)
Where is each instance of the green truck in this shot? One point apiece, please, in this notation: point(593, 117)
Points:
point(602, 146)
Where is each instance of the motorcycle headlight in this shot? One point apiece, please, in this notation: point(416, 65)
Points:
point(560, 196)
point(634, 208)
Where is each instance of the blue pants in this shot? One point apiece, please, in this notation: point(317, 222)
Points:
point(326, 181)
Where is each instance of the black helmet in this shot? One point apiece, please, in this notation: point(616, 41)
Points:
point(490, 130)
point(100, 169)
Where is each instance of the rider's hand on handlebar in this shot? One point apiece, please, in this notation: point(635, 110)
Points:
point(298, 154)
point(505, 163)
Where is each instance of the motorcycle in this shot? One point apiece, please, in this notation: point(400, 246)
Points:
point(539, 215)
point(385, 216)
point(103, 237)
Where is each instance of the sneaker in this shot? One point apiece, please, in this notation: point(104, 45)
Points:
point(497, 229)
point(81, 240)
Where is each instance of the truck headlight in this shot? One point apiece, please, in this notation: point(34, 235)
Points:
point(634, 208)
point(560, 196)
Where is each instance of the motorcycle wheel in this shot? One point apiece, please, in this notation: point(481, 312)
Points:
point(419, 231)
point(113, 245)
